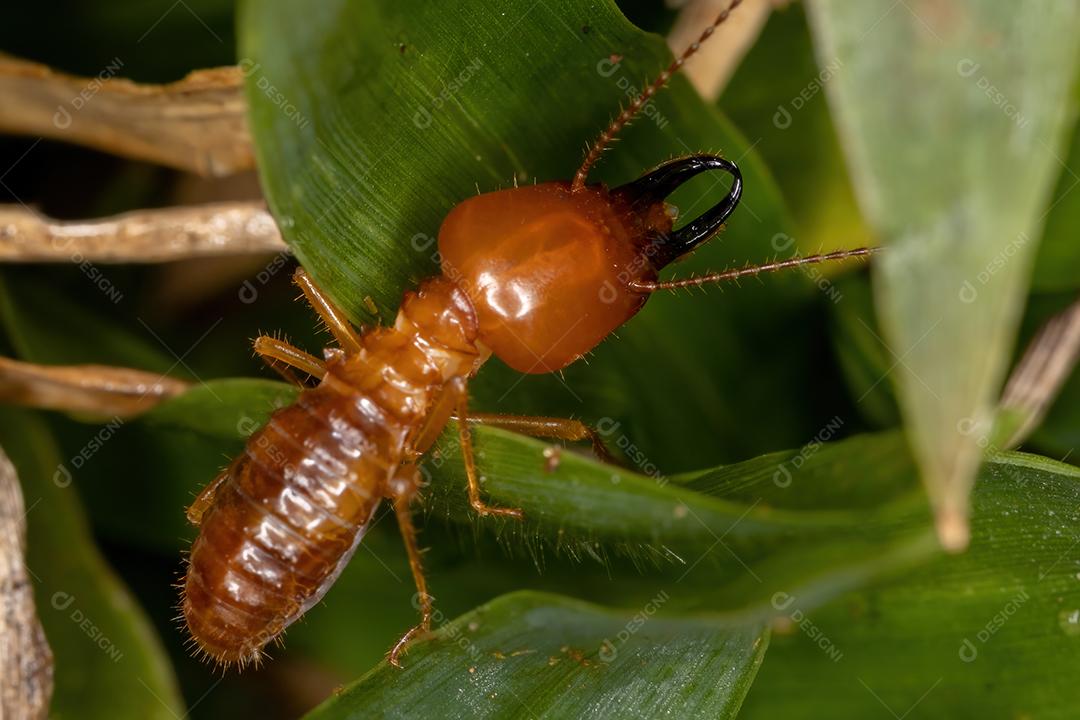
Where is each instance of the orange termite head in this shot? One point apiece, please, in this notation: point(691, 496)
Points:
point(549, 269)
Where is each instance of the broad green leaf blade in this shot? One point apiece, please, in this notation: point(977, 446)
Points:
point(824, 520)
point(990, 633)
point(373, 119)
point(723, 541)
point(954, 178)
point(866, 363)
point(108, 661)
point(543, 655)
point(848, 483)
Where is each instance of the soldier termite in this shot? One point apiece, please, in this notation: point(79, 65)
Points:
point(536, 275)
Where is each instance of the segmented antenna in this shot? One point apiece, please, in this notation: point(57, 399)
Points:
point(635, 107)
point(750, 270)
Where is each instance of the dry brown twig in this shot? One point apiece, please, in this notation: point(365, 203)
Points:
point(716, 62)
point(142, 236)
point(196, 124)
point(96, 390)
point(1045, 366)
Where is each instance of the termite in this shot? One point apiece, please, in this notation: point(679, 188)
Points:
point(536, 275)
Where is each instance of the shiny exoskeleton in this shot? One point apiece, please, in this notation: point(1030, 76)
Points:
point(282, 520)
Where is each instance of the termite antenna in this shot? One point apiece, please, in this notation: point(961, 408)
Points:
point(635, 107)
point(735, 274)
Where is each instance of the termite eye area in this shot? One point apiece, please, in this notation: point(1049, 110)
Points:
point(648, 194)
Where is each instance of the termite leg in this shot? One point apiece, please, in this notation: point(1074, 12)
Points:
point(465, 440)
point(330, 313)
point(281, 356)
point(546, 427)
point(405, 484)
point(205, 499)
point(426, 435)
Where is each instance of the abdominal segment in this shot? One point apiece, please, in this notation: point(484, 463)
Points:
point(280, 528)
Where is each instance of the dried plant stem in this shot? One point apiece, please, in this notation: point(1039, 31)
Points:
point(716, 62)
point(1044, 368)
point(91, 389)
point(143, 236)
point(196, 124)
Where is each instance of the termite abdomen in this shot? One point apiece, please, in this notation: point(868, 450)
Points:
point(281, 526)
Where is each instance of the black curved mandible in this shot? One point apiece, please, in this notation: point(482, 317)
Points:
point(657, 185)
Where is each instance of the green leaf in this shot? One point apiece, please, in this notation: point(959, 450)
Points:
point(820, 519)
point(373, 119)
point(548, 656)
point(990, 633)
point(954, 179)
point(809, 524)
point(854, 506)
point(108, 661)
point(867, 363)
